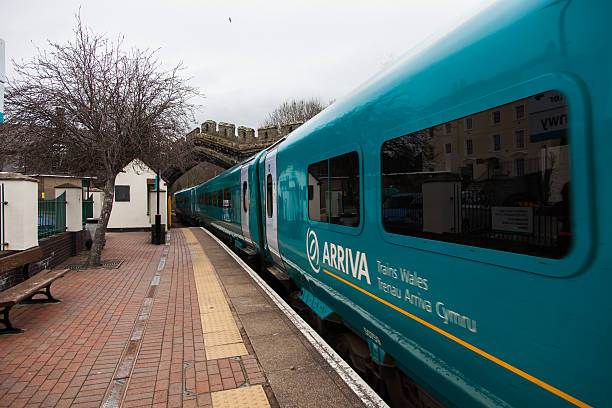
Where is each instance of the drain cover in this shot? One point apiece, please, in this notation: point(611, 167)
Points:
point(109, 264)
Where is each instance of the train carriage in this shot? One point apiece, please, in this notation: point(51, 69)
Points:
point(456, 226)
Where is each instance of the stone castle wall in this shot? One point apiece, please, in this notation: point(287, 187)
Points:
point(244, 134)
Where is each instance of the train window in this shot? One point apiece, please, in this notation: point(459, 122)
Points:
point(227, 198)
point(497, 198)
point(244, 196)
point(214, 197)
point(318, 183)
point(269, 195)
point(344, 189)
point(333, 190)
point(219, 198)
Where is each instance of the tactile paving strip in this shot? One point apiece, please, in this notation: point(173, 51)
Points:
point(250, 397)
point(221, 335)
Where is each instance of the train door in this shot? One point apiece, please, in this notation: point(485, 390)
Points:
point(244, 203)
point(271, 206)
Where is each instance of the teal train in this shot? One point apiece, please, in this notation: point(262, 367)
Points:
point(445, 223)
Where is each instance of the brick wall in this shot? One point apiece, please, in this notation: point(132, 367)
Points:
point(56, 249)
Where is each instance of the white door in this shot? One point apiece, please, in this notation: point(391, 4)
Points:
point(271, 206)
point(244, 203)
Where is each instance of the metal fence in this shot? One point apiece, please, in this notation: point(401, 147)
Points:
point(51, 216)
point(88, 208)
point(474, 223)
point(472, 217)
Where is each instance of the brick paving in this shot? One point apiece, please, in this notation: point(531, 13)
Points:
point(115, 337)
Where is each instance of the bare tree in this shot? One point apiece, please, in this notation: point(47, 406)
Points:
point(97, 106)
point(294, 111)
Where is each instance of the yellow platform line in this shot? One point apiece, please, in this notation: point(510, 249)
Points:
point(221, 335)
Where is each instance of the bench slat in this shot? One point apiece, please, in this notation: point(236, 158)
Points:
point(24, 289)
point(8, 263)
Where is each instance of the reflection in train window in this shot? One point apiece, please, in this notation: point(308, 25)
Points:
point(227, 198)
point(487, 196)
point(344, 189)
point(333, 190)
point(318, 184)
point(244, 196)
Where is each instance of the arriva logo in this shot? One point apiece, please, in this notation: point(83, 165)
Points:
point(312, 250)
point(336, 256)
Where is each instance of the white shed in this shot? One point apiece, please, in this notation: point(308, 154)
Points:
point(135, 204)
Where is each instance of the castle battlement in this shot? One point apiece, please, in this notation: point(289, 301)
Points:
point(242, 133)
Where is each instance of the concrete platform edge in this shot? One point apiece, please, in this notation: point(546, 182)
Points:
point(344, 371)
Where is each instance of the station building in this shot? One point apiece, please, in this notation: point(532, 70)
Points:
point(135, 201)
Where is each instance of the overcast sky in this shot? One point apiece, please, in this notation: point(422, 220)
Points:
point(269, 52)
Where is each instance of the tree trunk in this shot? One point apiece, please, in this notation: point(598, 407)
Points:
point(100, 237)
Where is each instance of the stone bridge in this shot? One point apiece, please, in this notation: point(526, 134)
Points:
point(223, 146)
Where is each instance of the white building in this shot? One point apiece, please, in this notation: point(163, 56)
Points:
point(2, 80)
point(135, 202)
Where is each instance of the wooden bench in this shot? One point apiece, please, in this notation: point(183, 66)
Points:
point(24, 292)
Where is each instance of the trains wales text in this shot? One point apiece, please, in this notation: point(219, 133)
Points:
point(415, 298)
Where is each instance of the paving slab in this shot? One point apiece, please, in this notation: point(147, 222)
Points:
point(180, 324)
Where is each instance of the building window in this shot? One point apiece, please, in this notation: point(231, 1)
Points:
point(448, 148)
point(519, 111)
point(448, 128)
point(519, 136)
point(333, 190)
point(496, 143)
point(224, 132)
point(468, 123)
point(122, 193)
point(519, 165)
point(520, 205)
point(496, 116)
point(206, 128)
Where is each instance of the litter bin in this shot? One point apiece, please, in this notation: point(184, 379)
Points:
point(91, 225)
point(158, 231)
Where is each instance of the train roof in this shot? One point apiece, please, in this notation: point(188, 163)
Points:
point(490, 19)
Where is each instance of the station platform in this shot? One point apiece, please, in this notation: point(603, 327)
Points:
point(178, 325)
